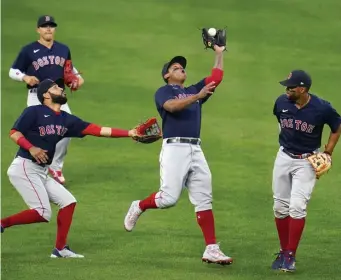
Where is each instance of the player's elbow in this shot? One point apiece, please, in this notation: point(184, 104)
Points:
point(170, 107)
point(15, 135)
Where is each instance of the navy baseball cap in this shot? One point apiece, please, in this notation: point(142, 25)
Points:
point(43, 87)
point(44, 20)
point(177, 59)
point(297, 78)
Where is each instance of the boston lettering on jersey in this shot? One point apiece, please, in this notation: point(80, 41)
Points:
point(301, 129)
point(44, 128)
point(37, 60)
point(185, 123)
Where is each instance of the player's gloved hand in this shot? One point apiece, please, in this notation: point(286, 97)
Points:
point(31, 80)
point(206, 90)
point(147, 132)
point(215, 41)
point(39, 155)
point(321, 163)
point(71, 79)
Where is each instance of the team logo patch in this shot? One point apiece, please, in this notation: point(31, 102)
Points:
point(47, 18)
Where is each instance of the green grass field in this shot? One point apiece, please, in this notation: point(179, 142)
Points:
point(120, 46)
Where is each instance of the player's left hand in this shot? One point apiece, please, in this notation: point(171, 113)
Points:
point(321, 163)
point(216, 42)
point(147, 132)
point(218, 49)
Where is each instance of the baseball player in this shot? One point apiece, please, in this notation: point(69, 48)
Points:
point(37, 132)
point(301, 116)
point(182, 161)
point(46, 59)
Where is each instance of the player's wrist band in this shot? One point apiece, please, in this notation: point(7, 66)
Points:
point(24, 143)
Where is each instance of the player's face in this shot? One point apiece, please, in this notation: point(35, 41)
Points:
point(294, 93)
point(47, 32)
point(177, 73)
point(57, 95)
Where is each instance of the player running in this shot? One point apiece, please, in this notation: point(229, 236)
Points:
point(37, 132)
point(46, 59)
point(302, 116)
point(182, 161)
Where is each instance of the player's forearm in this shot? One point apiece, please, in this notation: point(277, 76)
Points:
point(218, 63)
point(18, 138)
point(332, 141)
point(16, 74)
point(99, 131)
point(216, 76)
point(175, 105)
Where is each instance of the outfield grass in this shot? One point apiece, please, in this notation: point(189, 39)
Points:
point(120, 46)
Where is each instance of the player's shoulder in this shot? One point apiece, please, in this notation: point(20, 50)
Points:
point(163, 89)
point(61, 45)
point(318, 101)
point(282, 98)
point(30, 46)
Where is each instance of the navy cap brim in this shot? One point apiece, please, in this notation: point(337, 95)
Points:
point(288, 83)
point(52, 23)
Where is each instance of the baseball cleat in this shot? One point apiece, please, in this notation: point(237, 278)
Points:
point(132, 216)
point(2, 228)
point(65, 253)
point(213, 254)
point(57, 175)
point(278, 262)
point(289, 263)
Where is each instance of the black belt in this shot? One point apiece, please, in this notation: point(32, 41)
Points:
point(193, 141)
point(297, 156)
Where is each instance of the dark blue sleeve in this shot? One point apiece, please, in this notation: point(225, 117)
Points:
point(332, 118)
point(162, 95)
point(75, 126)
point(198, 87)
point(275, 111)
point(26, 120)
point(22, 62)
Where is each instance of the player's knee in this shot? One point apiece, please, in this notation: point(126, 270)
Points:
point(165, 200)
point(66, 201)
point(298, 208)
point(45, 213)
point(203, 202)
point(281, 209)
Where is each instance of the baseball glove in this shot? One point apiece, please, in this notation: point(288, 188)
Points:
point(70, 78)
point(321, 163)
point(148, 132)
point(218, 39)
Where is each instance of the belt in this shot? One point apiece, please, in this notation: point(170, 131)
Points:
point(33, 90)
point(193, 141)
point(295, 156)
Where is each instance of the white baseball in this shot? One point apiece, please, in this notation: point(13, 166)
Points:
point(212, 31)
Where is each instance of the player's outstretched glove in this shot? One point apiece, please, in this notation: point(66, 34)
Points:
point(321, 163)
point(70, 78)
point(148, 132)
point(218, 39)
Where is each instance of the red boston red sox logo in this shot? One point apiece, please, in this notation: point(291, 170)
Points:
point(52, 130)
